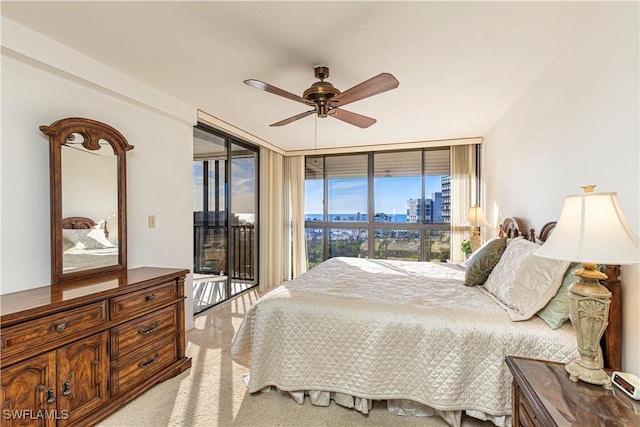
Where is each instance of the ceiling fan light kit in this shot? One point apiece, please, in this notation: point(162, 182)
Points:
point(326, 99)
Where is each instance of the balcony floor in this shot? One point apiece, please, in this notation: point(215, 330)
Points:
point(209, 290)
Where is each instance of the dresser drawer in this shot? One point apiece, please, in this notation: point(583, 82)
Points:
point(526, 413)
point(142, 301)
point(138, 366)
point(65, 324)
point(142, 331)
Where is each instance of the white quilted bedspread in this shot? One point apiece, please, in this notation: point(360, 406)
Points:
point(381, 329)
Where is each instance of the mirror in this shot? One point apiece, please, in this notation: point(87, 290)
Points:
point(88, 199)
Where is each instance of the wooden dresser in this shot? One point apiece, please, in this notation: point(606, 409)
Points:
point(74, 353)
point(543, 395)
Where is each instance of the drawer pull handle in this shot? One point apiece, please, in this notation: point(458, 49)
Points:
point(50, 396)
point(150, 361)
point(150, 297)
point(66, 388)
point(61, 326)
point(149, 329)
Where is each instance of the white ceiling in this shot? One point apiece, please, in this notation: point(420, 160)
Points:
point(460, 65)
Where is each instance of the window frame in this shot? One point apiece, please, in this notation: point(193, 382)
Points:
point(370, 225)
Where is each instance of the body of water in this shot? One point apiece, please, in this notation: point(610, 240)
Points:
point(357, 217)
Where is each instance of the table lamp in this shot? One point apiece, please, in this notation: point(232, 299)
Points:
point(475, 219)
point(593, 230)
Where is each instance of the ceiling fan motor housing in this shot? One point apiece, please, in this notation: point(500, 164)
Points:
point(321, 92)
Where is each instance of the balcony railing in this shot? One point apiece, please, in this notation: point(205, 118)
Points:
point(427, 244)
point(210, 251)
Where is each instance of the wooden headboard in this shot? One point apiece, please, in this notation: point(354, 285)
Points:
point(512, 227)
point(77, 222)
point(612, 338)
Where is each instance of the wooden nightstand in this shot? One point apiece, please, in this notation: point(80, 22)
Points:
point(543, 395)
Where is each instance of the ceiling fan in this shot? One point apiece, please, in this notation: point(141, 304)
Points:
point(327, 101)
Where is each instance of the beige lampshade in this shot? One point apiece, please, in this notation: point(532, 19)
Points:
point(592, 228)
point(476, 218)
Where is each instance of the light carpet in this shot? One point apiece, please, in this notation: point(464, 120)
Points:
point(212, 392)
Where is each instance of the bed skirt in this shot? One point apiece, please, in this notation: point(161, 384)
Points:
point(400, 407)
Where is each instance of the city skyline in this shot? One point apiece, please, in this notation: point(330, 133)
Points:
point(349, 195)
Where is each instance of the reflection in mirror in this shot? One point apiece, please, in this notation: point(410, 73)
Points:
point(88, 199)
point(89, 205)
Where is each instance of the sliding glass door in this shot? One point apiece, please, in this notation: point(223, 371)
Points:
point(224, 217)
point(243, 261)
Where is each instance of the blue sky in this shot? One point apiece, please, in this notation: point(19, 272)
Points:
point(350, 195)
point(346, 195)
point(243, 184)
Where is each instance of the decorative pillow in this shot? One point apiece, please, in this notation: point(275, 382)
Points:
point(480, 250)
point(523, 281)
point(556, 312)
point(482, 261)
point(89, 238)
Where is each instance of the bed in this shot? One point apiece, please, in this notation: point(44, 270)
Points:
point(86, 244)
point(357, 330)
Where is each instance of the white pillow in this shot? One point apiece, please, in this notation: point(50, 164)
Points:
point(101, 241)
point(88, 238)
point(523, 281)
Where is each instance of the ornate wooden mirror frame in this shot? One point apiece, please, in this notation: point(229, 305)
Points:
point(88, 136)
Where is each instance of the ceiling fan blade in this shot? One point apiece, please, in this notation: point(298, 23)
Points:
point(293, 119)
point(352, 118)
point(272, 89)
point(375, 85)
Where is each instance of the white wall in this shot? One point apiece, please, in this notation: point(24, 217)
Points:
point(159, 171)
point(576, 125)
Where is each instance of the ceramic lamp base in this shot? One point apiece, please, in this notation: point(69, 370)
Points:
point(589, 313)
point(588, 375)
point(475, 239)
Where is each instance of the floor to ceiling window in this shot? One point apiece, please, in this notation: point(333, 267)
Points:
point(225, 200)
point(386, 205)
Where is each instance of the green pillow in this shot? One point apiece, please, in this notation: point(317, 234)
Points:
point(556, 312)
point(483, 260)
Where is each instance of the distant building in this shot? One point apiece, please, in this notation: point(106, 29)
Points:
point(432, 209)
point(436, 208)
point(381, 217)
point(446, 199)
point(414, 210)
point(428, 211)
